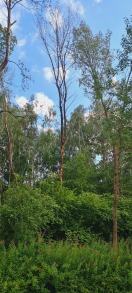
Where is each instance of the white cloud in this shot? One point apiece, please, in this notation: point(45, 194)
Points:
point(42, 104)
point(98, 1)
point(21, 42)
point(34, 37)
point(48, 73)
point(61, 73)
point(54, 17)
point(75, 6)
point(21, 101)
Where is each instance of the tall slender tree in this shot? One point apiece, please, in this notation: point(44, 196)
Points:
point(55, 30)
point(93, 56)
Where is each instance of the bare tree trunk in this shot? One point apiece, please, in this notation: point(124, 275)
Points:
point(116, 193)
point(116, 187)
point(9, 138)
point(61, 161)
point(79, 136)
point(62, 107)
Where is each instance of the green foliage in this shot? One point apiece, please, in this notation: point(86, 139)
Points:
point(64, 267)
point(125, 54)
point(104, 177)
point(86, 216)
point(93, 57)
point(124, 217)
point(79, 173)
point(47, 152)
point(3, 31)
point(24, 213)
point(57, 213)
point(75, 132)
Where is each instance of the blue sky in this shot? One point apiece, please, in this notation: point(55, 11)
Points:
point(100, 15)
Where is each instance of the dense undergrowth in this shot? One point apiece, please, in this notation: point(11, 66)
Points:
point(65, 267)
point(53, 240)
point(58, 214)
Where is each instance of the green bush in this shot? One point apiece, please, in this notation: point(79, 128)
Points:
point(86, 216)
point(25, 213)
point(64, 267)
point(58, 214)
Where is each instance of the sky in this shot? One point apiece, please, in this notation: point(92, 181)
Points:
point(100, 15)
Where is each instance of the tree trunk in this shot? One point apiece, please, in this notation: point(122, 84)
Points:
point(61, 161)
point(9, 142)
point(116, 193)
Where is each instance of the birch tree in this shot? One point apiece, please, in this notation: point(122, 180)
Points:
point(93, 56)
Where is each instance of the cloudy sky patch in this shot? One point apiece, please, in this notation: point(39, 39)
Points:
point(21, 101)
point(75, 6)
point(21, 43)
point(98, 1)
point(48, 74)
point(42, 104)
point(54, 17)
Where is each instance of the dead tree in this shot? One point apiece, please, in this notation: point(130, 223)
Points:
point(55, 30)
